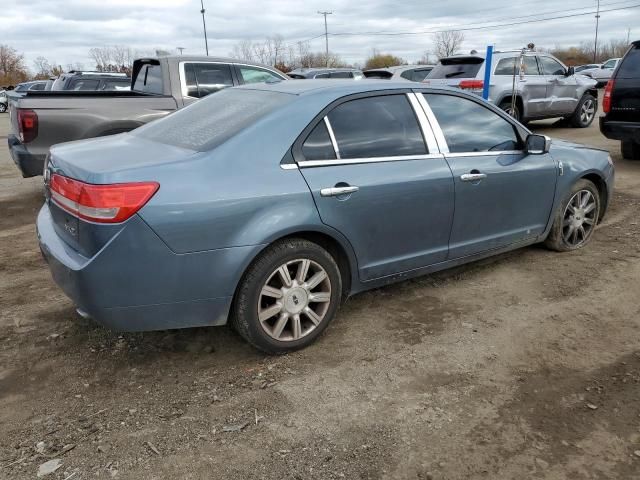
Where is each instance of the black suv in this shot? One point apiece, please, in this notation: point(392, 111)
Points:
point(621, 104)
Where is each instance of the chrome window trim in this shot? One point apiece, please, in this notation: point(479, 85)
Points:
point(435, 126)
point(289, 166)
point(354, 161)
point(425, 125)
point(336, 150)
point(484, 154)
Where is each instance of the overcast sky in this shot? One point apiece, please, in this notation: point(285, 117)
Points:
point(64, 30)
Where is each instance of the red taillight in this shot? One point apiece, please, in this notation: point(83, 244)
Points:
point(100, 203)
point(27, 125)
point(606, 99)
point(471, 84)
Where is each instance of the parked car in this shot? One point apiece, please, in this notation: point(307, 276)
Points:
point(591, 66)
point(545, 88)
point(413, 73)
point(4, 101)
point(266, 205)
point(33, 86)
point(306, 73)
point(86, 81)
point(621, 104)
point(602, 73)
point(159, 86)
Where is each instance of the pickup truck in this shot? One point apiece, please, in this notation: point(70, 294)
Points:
point(159, 86)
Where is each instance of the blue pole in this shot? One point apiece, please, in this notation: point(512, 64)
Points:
point(487, 72)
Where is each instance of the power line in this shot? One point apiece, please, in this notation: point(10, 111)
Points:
point(468, 28)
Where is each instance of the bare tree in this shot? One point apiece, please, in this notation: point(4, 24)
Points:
point(12, 67)
point(101, 56)
point(243, 50)
point(447, 43)
point(42, 68)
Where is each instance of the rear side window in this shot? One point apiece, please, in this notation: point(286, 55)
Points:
point(149, 79)
point(318, 144)
point(471, 127)
point(505, 66)
point(205, 78)
point(84, 85)
point(382, 126)
point(38, 86)
point(457, 68)
point(116, 84)
point(630, 67)
point(205, 124)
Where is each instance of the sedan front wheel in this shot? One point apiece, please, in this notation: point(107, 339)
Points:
point(288, 296)
point(576, 219)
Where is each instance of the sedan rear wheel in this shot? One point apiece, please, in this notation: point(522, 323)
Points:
point(3, 108)
point(288, 296)
point(576, 219)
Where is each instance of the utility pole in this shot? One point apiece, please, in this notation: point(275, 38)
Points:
point(180, 49)
point(628, 34)
point(595, 48)
point(326, 35)
point(204, 26)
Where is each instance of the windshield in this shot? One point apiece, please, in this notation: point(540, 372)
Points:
point(464, 67)
point(213, 120)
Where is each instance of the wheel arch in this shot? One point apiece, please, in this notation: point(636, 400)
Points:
point(332, 241)
point(519, 103)
point(603, 192)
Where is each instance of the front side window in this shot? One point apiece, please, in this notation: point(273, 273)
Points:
point(610, 64)
point(382, 126)
point(420, 74)
point(38, 86)
point(551, 66)
point(318, 144)
point(322, 75)
point(205, 78)
point(341, 75)
point(256, 75)
point(471, 127)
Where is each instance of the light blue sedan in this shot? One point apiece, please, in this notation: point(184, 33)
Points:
point(266, 205)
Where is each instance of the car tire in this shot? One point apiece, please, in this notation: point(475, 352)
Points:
point(576, 218)
point(506, 106)
point(585, 112)
point(3, 108)
point(630, 150)
point(277, 308)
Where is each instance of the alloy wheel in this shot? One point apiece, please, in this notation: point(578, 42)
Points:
point(587, 111)
point(579, 218)
point(294, 300)
point(3, 108)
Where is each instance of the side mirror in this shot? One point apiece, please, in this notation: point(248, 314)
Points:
point(537, 144)
point(602, 67)
point(570, 71)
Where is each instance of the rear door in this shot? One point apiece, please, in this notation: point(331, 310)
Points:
point(625, 98)
point(532, 85)
point(503, 195)
point(561, 90)
point(376, 180)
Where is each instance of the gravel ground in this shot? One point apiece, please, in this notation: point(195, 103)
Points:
point(526, 365)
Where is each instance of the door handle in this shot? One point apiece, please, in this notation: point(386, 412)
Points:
point(337, 191)
point(472, 177)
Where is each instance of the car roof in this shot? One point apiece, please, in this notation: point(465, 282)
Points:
point(398, 68)
point(338, 87)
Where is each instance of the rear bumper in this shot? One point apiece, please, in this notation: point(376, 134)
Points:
point(29, 164)
point(616, 130)
point(135, 283)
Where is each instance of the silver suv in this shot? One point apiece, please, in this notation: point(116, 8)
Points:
point(526, 84)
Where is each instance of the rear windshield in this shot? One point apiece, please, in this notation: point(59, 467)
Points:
point(464, 67)
point(630, 67)
point(149, 79)
point(378, 74)
point(213, 120)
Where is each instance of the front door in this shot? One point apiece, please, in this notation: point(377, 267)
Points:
point(503, 195)
point(561, 89)
point(375, 181)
